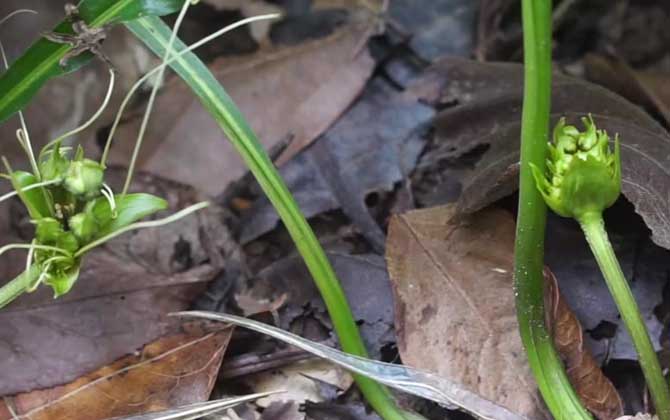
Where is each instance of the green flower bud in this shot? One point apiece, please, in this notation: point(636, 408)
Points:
point(583, 175)
point(48, 230)
point(84, 225)
point(68, 242)
point(84, 178)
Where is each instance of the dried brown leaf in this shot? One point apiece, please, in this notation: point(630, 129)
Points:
point(455, 310)
point(287, 93)
point(593, 387)
point(168, 372)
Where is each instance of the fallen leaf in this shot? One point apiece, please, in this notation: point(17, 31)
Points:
point(171, 371)
point(248, 8)
point(282, 411)
point(364, 280)
point(299, 381)
point(645, 88)
point(452, 280)
point(339, 411)
point(491, 94)
point(593, 387)
point(120, 301)
point(437, 28)
point(372, 147)
point(293, 92)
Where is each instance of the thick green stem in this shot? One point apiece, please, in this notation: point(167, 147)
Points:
point(529, 250)
point(155, 34)
point(18, 286)
point(594, 229)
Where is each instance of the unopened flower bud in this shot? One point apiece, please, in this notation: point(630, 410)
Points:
point(583, 175)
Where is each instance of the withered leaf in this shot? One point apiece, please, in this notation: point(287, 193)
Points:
point(365, 282)
point(373, 146)
point(120, 301)
point(489, 114)
point(455, 310)
point(592, 386)
point(645, 88)
point(286, 93)
point(438, 28)
point(171, 371)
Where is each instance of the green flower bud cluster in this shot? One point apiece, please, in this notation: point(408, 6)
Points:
point(583, 174)
point(75, 189)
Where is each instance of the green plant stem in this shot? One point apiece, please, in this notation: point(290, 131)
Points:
point(155, 34)
point(18, 285)
point(529, 249)
point(594, 229)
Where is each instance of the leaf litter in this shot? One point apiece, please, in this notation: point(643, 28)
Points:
point(46, 342)
point(290, 94)
point(455, 312)
point(336, 179)
point(174, 370)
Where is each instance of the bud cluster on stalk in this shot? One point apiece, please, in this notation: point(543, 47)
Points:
point(583, 174)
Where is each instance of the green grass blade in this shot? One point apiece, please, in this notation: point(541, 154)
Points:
point(155, 34)
point(531, 220)
point(40, 62)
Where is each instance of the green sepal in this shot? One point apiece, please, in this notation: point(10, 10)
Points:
point(34, 199)
point(55, 166)
point(62, 281)
point(47, 230)
point(84, 226)
point(84, 178)
point(129, 209)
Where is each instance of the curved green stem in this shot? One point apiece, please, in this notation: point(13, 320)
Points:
point(594, 229)
point(529, 249)
point(155, 34)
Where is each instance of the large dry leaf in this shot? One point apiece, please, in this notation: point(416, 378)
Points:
point(120, 301)
point(372, 147)
point(455, 310)
point(646, 88)
point(489, 115)
point(169, 372)
point(288, 93)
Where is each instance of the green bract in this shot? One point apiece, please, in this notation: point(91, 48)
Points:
point(583, 175)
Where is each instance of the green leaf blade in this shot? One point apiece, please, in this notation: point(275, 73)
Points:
point(129, 209)
point(41, 61)
point(34, 199)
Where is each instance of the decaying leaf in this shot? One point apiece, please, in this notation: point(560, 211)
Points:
point(491, 95)
point(648, 89)
point(455, 310)
point(289, 93)
point(168, 372)
point(592, 386)
point(299, 381)
point(365, 282)
point(373, 146)
point(438, 28)
point(120, 301)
